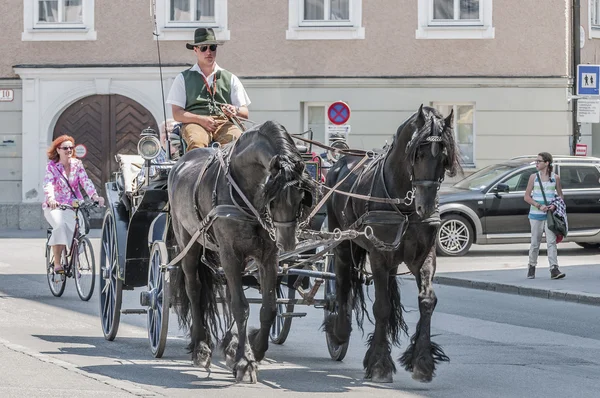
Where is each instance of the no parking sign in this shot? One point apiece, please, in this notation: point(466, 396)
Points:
point(338, 112)
point(80, 150)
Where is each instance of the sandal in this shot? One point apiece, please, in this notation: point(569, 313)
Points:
point(59, 269)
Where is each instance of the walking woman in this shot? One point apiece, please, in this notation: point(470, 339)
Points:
point(537, 213)
point(64, 176)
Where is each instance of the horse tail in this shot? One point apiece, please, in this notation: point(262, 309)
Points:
point(359, 257)
point(396, 322)
point(211, 292)
point(179, 297)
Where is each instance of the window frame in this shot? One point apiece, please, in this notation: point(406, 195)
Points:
point(33, 30)
point(300, 29)
point(428, 28)
point(184, 31)
point(454, 105)
point(594, 9)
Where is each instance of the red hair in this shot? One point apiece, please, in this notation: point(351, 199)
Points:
point(52, 153)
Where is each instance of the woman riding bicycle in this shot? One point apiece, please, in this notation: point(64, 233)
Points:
point(64, 176)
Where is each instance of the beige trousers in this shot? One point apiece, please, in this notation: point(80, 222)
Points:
point(196, 136)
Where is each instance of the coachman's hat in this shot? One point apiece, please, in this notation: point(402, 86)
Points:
point(203, 37)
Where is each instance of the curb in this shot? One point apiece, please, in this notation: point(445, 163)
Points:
point(562, 295)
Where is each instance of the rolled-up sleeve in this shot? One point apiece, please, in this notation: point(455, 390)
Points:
point(239, 97)
point(48, 183)
point(84, 180)
point(177, 94)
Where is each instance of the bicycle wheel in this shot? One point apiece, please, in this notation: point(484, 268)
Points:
point(85, 269)
point(56, 282)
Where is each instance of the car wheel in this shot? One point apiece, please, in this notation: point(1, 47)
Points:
point(454, 237)
point(586, 245)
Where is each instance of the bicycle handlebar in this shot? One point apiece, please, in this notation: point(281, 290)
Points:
point(82, 205)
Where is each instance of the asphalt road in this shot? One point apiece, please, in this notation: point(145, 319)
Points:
point(500, 345)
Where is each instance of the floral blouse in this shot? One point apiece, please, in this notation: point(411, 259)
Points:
point(55, 186)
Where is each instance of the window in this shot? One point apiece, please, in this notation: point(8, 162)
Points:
point(464, 128)
point(455, 19)
point(578, 177)
point(594, 18)
point(177, 19)
point(58, 20)
point(518, 182)
point(325, 20)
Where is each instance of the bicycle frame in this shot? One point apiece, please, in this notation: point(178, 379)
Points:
point(70, 265)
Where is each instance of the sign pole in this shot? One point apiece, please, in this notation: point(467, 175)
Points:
point(575, 27)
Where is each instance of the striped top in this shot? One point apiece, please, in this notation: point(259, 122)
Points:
point(536, 194)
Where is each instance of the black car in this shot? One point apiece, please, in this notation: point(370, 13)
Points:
point(487, 207)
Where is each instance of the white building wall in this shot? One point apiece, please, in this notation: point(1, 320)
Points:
point(10, 144)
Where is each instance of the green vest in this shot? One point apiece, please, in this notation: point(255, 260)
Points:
point(198, 98)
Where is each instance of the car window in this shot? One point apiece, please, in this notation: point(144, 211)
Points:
point(579, 176)
point(518, 181)
point(484, 177)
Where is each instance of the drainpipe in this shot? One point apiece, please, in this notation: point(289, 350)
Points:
point(576, 19)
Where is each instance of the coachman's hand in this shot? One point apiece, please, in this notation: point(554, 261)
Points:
point(208, 123)
point(229, 110)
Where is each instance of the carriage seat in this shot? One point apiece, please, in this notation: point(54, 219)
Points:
point(130, 166)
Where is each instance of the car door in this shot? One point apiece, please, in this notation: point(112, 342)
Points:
point(581, 190)
point(506, 212)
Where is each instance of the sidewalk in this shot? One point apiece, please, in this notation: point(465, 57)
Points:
point(581, 285)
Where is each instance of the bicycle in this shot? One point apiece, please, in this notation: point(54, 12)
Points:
point(81, 267)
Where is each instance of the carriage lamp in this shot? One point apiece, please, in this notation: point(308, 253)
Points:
point(149, 144)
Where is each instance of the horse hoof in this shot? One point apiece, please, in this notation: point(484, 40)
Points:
point(202, 362)
point(202, 356)
point(246, 372)
point(420, 376)
point(382, 377)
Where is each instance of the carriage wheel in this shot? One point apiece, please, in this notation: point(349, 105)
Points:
point(111, 287)
point(56, 282)
point(85, 270)
point(159, 298)
point(336, 352)
point(282, 326)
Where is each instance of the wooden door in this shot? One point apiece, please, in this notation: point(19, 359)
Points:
point(106, 125)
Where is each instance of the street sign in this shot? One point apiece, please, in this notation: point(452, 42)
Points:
point(80, 150)
point(587, 79)
point(6, 95)
point(588, 111)
point(338, 112)
point(580, 150)
point(343, 130)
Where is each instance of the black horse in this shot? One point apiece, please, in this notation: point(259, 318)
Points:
point(249, 197)
point(411, 171)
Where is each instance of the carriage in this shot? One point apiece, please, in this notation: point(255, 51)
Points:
point(137, 248)
point(383, 206)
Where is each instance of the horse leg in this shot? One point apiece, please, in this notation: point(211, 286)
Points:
point(378, 363)
point(244, 367)
point(339, 324)
point(200, 346)
point(259, 338)
point(422, 354)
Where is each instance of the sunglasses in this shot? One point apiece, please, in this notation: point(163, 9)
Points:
point(66, 148)
point(213, 47)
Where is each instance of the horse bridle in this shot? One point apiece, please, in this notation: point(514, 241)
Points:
point(435, 141)
point(283, 224)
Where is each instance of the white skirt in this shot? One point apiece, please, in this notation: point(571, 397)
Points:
point(63, 226)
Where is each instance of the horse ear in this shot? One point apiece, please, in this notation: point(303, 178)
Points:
point(448, 121)
point(420, 117)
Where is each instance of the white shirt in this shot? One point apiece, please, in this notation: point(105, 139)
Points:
point(177, 95)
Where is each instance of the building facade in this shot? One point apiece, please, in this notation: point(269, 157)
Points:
point(71, 66)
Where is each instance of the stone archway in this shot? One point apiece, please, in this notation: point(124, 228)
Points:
point(106, 125)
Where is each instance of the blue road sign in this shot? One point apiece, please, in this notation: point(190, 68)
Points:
point(587, 79)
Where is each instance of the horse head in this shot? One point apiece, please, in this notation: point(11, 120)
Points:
point(431, 152)
point(289, 189)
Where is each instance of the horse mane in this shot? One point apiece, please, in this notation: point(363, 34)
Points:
point(288, 162)
point(434, 125)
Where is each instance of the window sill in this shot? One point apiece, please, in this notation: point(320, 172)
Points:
point(595, 32)
point(82, 34)
point(455, 32)
point(172, 33)
point(325, 33)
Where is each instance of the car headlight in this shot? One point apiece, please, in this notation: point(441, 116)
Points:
point(149, 147)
